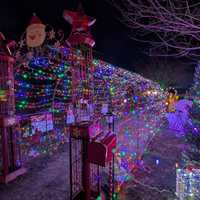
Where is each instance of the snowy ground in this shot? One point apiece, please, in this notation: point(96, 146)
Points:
point(47, 178)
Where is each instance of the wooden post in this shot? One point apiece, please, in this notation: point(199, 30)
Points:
point(5, 152)
point(14, 146)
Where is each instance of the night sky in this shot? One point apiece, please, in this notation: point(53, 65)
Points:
point(113, 43)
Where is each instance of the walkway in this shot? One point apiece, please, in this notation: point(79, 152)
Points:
point(47, 179)
point(156, 180)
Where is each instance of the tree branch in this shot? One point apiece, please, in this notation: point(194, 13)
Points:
point(169, 26)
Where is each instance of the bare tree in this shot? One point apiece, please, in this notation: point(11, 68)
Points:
point(171, 27)
point(165, 71)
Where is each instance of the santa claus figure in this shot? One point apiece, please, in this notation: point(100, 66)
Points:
point(35, 32)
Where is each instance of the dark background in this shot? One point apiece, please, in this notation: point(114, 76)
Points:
point(113, 42)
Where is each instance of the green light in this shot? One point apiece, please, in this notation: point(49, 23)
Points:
point(20, 106)
point(66, 66)
point(116, 196)
point(122, 153)
point(98, 198)
point(23, 102)
point(113, 150)
point(95, 62)
point(25, 76)
point(61, 75)
point(2, 92)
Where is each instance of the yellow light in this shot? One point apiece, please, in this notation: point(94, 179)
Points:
point(155, 92)
point(148, 92)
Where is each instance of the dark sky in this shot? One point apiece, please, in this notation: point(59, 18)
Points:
point(112, 38)
point(113, 42)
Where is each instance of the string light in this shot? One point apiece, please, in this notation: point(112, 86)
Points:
point(43, 83)
point(148, 103)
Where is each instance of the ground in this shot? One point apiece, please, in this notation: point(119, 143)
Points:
point(157, 182)
point(47, 177)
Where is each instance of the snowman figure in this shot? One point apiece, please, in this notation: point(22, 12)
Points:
point(104, 108)
point(70, 115)
point(83, 113)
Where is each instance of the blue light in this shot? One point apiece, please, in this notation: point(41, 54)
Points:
point(39, 62)
point(65, 51)
point(135, 99)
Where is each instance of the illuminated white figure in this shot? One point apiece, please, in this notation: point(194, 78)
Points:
point(83, 112)
point(104, 108)
point(178, 119)
point(70, 115)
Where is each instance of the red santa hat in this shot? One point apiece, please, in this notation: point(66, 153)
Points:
point(35, 19)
